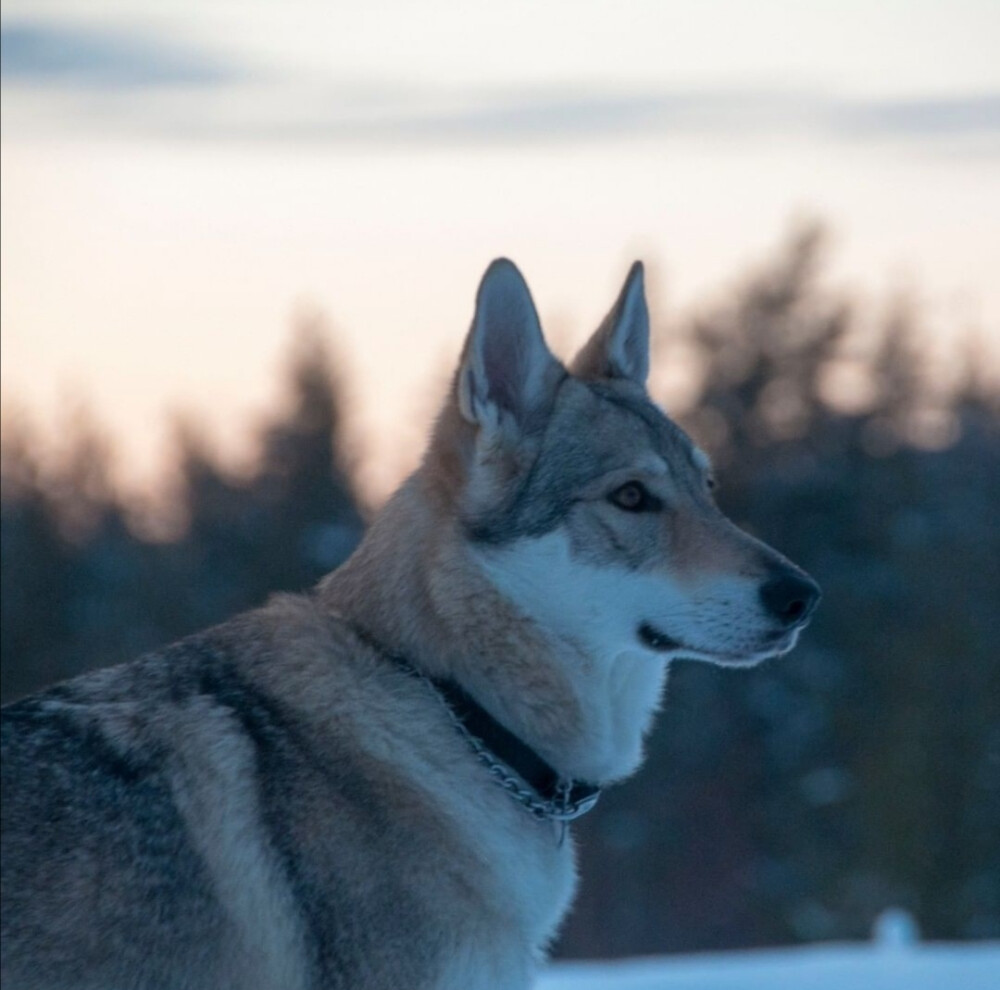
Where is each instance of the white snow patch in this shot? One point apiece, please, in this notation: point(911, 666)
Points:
point(897, 966)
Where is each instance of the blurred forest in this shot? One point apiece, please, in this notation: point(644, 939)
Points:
point(792, 802)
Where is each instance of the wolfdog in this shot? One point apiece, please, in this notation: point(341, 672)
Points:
point(368, 786)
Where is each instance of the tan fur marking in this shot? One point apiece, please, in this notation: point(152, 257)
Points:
point(707, 544)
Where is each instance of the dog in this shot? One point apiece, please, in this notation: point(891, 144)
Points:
point(368, 786)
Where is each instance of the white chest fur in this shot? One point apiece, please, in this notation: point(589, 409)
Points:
point(528, 880)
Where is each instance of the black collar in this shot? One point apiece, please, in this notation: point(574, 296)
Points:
point(551, 795)
point(512, 763)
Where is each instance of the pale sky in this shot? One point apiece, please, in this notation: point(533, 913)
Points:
point(178, 177)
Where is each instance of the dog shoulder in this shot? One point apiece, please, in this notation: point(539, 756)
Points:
point(145, 783)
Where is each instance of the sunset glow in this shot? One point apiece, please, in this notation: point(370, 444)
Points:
point(163, 221)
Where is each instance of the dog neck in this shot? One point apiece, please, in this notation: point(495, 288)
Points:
point(415, 588)
point(512, 764)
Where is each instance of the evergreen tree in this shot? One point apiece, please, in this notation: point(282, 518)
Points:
point(82, 589)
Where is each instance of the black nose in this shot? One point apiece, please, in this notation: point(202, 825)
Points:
point(790, 597)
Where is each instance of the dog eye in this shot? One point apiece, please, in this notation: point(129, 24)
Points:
point(711, 484)
point(633, 496)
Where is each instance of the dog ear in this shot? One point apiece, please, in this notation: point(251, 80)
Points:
point(506, 369)
point(619, 347)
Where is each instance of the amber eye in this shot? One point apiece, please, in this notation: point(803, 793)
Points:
point(633, 496)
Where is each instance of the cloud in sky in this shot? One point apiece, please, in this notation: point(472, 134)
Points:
point(936, 117)
point(554, 116)
point(43, 54)
point(90, 78)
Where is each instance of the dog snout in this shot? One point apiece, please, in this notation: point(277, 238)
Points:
point(790, 597)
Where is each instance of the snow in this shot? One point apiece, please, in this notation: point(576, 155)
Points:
point(892, 964)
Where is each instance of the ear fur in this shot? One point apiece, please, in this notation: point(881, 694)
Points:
point(507, 375)
point(619, 347)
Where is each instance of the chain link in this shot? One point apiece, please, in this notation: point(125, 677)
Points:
point(561, 808)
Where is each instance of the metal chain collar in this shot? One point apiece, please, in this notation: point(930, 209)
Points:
point(561, 808)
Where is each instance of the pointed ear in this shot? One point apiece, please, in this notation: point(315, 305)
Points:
point(507, 372)
point(620, 346)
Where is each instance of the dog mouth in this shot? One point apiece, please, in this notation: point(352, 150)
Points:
point(773, 644)
point(658, 640)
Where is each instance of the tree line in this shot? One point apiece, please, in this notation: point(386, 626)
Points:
point(787, 803)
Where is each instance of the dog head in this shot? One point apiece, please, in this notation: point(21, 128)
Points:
point(590, 508)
